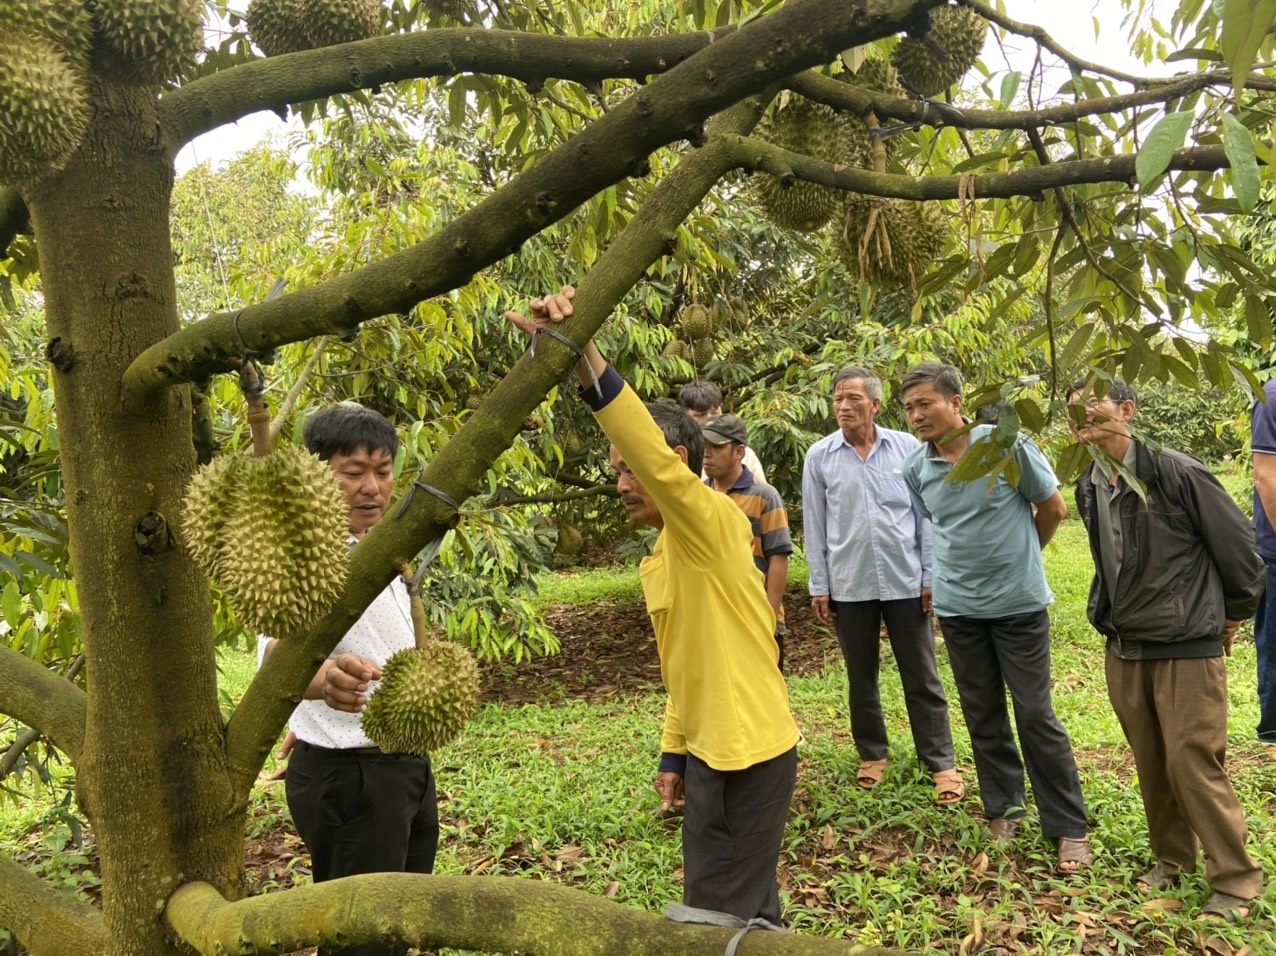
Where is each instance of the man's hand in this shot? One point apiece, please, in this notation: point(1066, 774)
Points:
point(290, 741)
point(345, 682)
point(1229, 635)
point(928, 605)
point(546, 310)
point(669, 786)
point(822, 611)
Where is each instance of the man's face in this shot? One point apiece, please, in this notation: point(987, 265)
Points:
point(640, 505)
point(852, 407)
point(931, 415)
point(1105, 418)
point(701, 417)
point(721, 462)
point(366, 479)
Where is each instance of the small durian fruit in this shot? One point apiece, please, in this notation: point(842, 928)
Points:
point(702, 352)
point(573, 444)
point(935, 61)
point(150, 41)
point(66, 22)
point(271, 532)
point(453, 9)
point(45, 103)
point(329, 22)
point(696, 323)
point(890, 243)
point(739, 310)
point(277, 26)
point(426, 694)
point(815, 130)
point(676, 348)
point(569, 542)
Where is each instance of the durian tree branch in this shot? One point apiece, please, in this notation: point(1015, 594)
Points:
point(594, 491)
point(9, 759)
point(46, 921)
point(460, 465)
point(854, 99)
point(13, 219)
point(488, 914)
point(758, 156)
point(275, 82)
point(44, 700)
point(617, 145)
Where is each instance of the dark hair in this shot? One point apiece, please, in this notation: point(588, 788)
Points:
point(700, 396)
point(872, 381)
point(1117, 390)
point(945, 378)
point(347, 427)
point(680, 429)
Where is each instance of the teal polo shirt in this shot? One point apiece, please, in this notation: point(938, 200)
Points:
point(987, 562)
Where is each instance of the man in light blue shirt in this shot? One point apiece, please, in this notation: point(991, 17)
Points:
point(991, 598)
point(869, 553)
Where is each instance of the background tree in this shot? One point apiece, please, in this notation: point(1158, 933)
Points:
point(477, 148)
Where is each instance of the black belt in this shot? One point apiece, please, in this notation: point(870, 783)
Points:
point(345, 750)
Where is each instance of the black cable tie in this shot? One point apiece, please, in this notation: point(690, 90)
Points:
point(443, 496)
point(580, 353)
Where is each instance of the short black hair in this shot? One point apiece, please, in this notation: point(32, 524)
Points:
point(347, 427)
point(680, 429)
point(1117, 390)
point(945, 379)
point(700, 396)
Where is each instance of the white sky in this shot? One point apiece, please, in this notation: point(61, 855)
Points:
point(1069, 22)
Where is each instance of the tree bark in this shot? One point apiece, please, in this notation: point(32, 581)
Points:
point(44, 919)
point(40, 698)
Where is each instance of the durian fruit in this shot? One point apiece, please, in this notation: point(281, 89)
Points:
point(676, 348)
point(66, 22)
point(569, 542)
point(890, 243)
point(329, 22)
point(879, 76)
point(426, 693)
point(150, 41)
point(957, 33)
point(271, 532)
point(815, 130)
point(277, 26)
point(453, 9)
point(702, 352)
point(696, 322)
point(739, 310)
point(573, 444)
point(45, 102)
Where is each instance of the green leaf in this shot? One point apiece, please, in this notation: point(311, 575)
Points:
point(1166, 136)
point(11, 604)
point(1245, 24)
point(1009, 87)
point(1258, 320)
point(1239, 146)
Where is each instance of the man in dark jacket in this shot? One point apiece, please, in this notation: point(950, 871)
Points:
point(1175, 574)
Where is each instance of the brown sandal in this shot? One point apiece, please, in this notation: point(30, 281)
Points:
point(870, 774)
point(1003, 829)
point(1074, 855)
point(949, 788)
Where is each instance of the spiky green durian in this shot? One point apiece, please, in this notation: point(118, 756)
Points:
point(66, 22)
point(876, 75)
point(150, 41)
point(739, 310)
point(45, 104)
point(696, 323)
point(272, 533)
point(425, 696)
point(951, 46)
point(454, 9)
point(702, 352)
point(329, 22)
point(815, 130)
point(569, 541)
point(676, 348)
point(573, 444)
point(890, 243)
point(277, 26)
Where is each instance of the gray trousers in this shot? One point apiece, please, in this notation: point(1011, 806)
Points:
point(1174, 714)
point(912, 640)
point(1012, 653)
point(732, 831)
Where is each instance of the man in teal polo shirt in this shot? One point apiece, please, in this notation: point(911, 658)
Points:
point(990, 595)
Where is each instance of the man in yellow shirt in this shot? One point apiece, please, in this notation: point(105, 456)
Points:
point(729, 747)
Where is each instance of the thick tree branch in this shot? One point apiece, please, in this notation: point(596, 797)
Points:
point(44, 920)
point(755, 155)
point(43, 700)
point(801, 34)
point(594, 491)
point(10, 758)
point(488, 914)
point(13, 219)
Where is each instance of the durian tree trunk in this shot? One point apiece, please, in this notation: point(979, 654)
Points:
point(151, 775)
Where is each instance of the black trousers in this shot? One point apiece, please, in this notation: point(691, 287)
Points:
point(732, 831)
point(859, 628)
point(989, 657)
point(362, 812)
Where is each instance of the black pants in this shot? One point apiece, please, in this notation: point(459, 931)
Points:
point(859, 628)
point(989, 657)
point(363, 813)
point(731, 835)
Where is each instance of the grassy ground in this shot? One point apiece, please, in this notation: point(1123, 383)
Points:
point(563, 792)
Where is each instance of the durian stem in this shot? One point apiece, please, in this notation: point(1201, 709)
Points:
point(254, 389)
point(420, 631)
point(878, 141)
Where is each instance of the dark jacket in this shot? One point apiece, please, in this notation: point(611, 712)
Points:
point(1188, 561)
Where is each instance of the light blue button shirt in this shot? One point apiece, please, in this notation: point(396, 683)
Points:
point(987, 554)
point(865, 539)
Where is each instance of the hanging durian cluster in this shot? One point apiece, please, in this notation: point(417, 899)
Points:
point(890, 243)
point(272, 533)
point(696, 325)
point(937, 59)
point(453, 9)
point(290, 26)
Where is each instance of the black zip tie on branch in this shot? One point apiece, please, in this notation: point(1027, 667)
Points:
point(580, 353)
point(419, 485)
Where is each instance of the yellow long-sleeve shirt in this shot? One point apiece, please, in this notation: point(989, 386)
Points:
point(728, 703)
